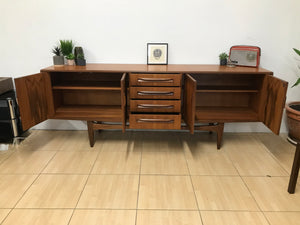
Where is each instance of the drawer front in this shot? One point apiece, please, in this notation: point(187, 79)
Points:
point(155, 92)
point(150, 121)
point(155, 106)
point(140, 79)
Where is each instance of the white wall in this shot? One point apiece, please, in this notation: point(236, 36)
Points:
point(116, 31)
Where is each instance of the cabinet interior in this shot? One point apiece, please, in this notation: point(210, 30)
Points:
point(227, 97)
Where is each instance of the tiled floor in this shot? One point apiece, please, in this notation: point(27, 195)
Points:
point(148, 178)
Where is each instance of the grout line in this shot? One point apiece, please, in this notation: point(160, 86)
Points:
point(88, 176)
point(271, 154)
point(1, 222)
point(186, 161)
point(139, 183)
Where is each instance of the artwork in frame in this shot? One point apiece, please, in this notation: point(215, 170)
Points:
point(157, 53)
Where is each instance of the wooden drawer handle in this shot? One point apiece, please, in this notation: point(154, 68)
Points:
point(155, 121)
point(165, 80)
point(169, 93)
point(147, 106)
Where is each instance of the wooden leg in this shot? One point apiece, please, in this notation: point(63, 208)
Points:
point(295, 171)
point(91, 133)
point(211, 124)
point(220, 130)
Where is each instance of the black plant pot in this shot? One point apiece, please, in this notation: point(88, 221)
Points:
point(223, 62)
point(80, 62)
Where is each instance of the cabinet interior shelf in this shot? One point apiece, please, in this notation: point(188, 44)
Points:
point(84, 85)
point(226, 89)
point(93, 112)
point(225, 114)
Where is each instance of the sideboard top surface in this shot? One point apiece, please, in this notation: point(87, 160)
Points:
point(144, 68)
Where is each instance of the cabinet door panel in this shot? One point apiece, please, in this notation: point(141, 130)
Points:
point(274, 96)
point(189, 101)
point(32, 99)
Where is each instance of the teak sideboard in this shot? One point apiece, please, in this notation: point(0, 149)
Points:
point(137, 96)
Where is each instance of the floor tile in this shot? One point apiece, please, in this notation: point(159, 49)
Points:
point(3, 214)
point(165, 162)
point(251, 157)
point(54, 191)
point(158, 141)
point(26, 162)
point(4, 155)
point(77, 141)
point(279, 147)
point(46, 138)
point(233, 218)
point(149, 217)
point(110, 192)
point(166, 192)
point(118, 162)
point(116, 141)
point(77, 162)
point(205, 159)
point(38, 217)
point(271, 193)
point(12, 187)
point(222, 193)
point(103, 217)
point(280, 218)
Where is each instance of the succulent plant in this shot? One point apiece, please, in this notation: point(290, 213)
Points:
point(80, 56)
point(56, 50)
point(70, 56)
point(223, 55)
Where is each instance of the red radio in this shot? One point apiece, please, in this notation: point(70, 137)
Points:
point(244, 55)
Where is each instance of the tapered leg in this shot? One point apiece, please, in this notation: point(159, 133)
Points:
point(220, 130)
point(295, 171)
point(91, 133)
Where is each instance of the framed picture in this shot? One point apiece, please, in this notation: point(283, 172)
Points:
point(157, 53)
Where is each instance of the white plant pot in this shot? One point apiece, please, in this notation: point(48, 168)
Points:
point(71, 62)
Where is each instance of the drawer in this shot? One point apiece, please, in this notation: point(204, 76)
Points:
point(155, 92)
point(155, 105)
point(141, 79)
point(155, 121)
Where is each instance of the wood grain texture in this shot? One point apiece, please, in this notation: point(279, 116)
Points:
point(273, 100)
point(32, 99)
point(155, 92)
point(164, 80)
point(171, 68)
point(189, 101)
point(123, 101)
point(154, 121)
point(155, 106)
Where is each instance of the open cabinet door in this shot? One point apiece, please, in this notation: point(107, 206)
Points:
point(189, 101)
point(32, 99)
point(274, 95)
point(123, 101)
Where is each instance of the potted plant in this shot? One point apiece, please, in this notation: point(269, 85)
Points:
point(293, 115)
point(66, 47)
point(70, 59)
point(223, 59)
point(58, 59)
point(80, 60)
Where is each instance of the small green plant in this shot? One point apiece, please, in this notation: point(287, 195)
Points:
point(66, 47)
point(56, 50)
point(223, 55)
point(70, 56)
point(80, 56)
point(298, 81)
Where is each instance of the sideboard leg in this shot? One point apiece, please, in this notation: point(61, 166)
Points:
point(295, 171)
point(91, 133)
point(220, 130)
point(210, 124)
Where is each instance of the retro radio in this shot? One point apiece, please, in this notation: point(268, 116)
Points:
point(243, 55)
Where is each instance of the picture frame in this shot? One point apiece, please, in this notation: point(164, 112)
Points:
point(157, 53)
